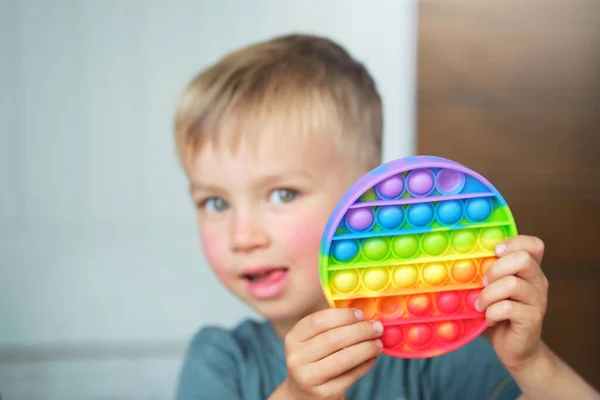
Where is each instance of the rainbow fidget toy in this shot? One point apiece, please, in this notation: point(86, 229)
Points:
point(409, 244)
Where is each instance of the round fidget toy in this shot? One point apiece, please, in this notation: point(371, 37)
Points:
point(408, 244)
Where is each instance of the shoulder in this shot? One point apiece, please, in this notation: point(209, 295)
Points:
point(215, 358)
point(473, 371)
point(226, 341)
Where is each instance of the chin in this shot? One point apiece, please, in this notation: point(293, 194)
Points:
point(286, 309)
point(293, 305)
point(279, 311)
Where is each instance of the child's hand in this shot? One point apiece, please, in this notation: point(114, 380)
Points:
point(328, 351)
point(515, 299)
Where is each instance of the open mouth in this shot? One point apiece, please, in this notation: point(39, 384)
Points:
point(265, 276)
point(268, 283)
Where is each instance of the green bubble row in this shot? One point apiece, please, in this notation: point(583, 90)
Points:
point(433, 243)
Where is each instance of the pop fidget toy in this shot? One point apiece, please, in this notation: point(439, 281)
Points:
point(408, 244)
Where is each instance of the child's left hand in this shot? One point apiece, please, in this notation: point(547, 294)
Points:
point(515, 300)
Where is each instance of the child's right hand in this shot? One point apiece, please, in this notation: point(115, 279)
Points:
point(326, 352)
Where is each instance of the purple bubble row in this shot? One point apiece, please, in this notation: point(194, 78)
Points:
point(421, 183)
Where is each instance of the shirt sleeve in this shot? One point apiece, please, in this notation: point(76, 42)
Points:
point(209, 368)
point(471, 372)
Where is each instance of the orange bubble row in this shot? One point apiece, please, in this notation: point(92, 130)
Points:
point(415, 306)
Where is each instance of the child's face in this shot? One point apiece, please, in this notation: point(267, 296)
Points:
point(261, 214)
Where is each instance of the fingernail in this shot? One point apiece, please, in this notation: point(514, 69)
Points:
point(485, 280)
point(477, 305)
point(379, 344)
point(359, 315)
point(378, 326)
point(500, 249)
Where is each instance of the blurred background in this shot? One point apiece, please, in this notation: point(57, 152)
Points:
point(102, 279)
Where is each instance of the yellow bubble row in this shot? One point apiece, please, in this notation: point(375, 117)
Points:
point(377, 279)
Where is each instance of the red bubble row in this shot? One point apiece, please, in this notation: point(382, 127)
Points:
point(429, 338)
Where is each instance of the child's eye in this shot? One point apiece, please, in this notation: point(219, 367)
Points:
point(215, 205)
point(283, 195)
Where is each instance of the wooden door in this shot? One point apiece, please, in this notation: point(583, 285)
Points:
point(511, 89)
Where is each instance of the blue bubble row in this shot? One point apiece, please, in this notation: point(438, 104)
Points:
point(421, 215)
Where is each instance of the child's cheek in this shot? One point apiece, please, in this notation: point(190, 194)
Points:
point(303, 243)
point(214, 255)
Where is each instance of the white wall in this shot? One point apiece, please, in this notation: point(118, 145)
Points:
point(102, 280)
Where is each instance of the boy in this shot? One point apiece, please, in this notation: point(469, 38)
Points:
point(270, 138)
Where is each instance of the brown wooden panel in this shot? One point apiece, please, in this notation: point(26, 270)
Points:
point(512, 90)
point(569, 301)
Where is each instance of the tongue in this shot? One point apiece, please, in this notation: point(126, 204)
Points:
point(268, 277)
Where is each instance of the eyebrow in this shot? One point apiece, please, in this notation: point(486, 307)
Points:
point(265, 180)
point(194, 187)
point(285, 175)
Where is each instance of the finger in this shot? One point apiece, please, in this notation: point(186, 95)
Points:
point(322, 321)
point(520, 315)
point(519, 263)
point(509, 288)
point(530, 244)
point(345, 359)
point(342, 383)
point(339, 338)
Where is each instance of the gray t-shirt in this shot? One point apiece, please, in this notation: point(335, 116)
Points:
point(248, 363)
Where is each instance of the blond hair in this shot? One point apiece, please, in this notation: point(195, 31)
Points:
point(296, 84)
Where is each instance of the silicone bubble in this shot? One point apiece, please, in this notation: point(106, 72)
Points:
point(409, 244)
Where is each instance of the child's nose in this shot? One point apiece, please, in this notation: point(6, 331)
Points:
point(248, 232)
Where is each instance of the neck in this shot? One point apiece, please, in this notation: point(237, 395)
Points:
point(282, 327)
